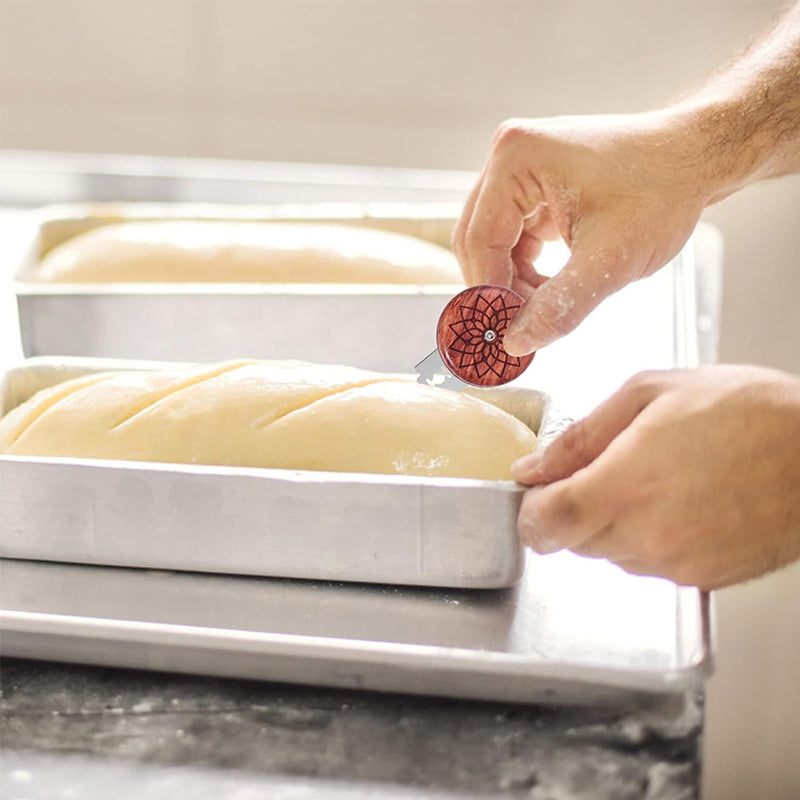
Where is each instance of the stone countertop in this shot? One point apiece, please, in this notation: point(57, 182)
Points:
point(74, 732)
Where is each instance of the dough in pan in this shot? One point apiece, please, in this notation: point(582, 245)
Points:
point(289, 415)
point(249, 252)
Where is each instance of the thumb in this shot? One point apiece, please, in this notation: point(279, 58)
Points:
point(562, 302)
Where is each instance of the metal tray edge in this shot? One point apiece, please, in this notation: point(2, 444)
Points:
point(349, 663)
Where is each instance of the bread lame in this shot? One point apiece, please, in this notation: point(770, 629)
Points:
point(469, 341)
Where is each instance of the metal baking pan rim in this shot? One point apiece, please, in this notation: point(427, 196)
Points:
point(267, 473)
point(327, 210)
point(371, 652)
point(31, 288)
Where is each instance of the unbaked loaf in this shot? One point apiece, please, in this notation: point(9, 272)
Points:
point(250, 252)
point(289, 415)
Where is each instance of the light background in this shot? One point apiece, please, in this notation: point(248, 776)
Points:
point(424, 84)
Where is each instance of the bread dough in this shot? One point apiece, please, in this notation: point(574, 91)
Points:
point(289, 415)
point(249, 252)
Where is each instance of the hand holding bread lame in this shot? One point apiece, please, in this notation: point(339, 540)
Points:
point(469, 341)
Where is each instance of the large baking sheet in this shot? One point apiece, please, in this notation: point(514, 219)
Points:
point(375, 326)
point(574, 630)
point(298, 524)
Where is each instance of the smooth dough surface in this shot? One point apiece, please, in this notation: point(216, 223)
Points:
point(279, 414)
point(246, 252)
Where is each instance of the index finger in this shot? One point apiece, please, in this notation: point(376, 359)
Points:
point(570, 511)
point(460, 229)
point(503, 203)
point(583, 441)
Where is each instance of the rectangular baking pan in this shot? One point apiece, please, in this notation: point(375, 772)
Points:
point(300, 524)
point(374, 326)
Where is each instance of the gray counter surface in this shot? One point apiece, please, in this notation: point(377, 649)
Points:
point(84, 732)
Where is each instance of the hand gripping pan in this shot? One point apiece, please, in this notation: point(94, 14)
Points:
point(469, 341)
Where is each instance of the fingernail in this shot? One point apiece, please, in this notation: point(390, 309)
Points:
point(522, 468)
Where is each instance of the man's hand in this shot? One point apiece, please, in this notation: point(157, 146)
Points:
point(688, 475)
point(623, 192)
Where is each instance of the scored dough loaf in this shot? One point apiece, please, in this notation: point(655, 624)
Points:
point(281, 414)
point(249, 252)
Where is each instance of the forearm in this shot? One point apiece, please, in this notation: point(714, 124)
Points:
point(745, 121)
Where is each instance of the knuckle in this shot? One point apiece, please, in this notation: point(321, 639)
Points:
point(574, 441)
point(646, 383)
point(508, 134)
point(566, 453)
point(473, 240)
point(561, 507)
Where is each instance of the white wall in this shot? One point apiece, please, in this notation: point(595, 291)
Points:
point(424, 84)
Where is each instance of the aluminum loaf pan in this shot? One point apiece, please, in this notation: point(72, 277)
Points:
point(377, 326)
point(447, 532)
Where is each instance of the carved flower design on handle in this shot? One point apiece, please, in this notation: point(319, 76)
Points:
point(470, 336)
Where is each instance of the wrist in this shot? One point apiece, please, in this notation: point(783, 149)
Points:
point(715, 148)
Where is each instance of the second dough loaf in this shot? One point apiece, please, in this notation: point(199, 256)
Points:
point(289, 415)
point(249, 252)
